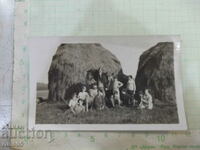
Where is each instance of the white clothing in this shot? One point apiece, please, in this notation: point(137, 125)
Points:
point(83, 95)
point(73, 102)
point(93, 92)
point(117, 85)
point(149, 100)
point(131, 85)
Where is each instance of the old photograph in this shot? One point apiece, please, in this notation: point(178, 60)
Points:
point(106, 83)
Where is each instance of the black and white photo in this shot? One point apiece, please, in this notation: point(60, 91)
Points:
point(106, 83)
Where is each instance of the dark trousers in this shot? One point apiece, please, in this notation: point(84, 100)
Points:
point(131, 97)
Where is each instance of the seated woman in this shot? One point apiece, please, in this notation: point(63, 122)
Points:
point(149, 99)
point(79, 107)
point(76, 105)
point(72, 103)
point(143, 102)
point(99, 101)
point(146, 100)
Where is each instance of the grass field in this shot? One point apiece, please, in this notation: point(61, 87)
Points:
point(55, 114)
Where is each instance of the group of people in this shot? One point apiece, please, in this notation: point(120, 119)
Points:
point(95, 91)
point(85, 99)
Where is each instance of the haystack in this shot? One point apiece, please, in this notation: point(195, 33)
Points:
point(156, 72)
point(71, 63)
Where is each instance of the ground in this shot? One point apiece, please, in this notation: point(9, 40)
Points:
point(58, 113)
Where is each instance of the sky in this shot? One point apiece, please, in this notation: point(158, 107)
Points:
point(126, 48)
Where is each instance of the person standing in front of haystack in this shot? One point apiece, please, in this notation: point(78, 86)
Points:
point(131, 90)
point(83, 95)
point(100, 83)
point(116, 93)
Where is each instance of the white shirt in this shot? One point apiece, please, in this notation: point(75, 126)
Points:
point(131, 85)
point(82, 95)
point(73, 102)
point(93, 92)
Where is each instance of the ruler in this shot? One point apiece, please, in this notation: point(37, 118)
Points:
point(6, 68)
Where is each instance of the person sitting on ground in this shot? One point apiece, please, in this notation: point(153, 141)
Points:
point(83, 95)
point(79, 107)
point(93, 91)
point(143, 102)
point(149, 99)
point(116, 93)
point(73, 102)
point(131, 89)
point(99, 101)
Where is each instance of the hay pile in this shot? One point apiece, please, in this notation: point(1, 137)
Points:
point(70, 64)
point(156, 72)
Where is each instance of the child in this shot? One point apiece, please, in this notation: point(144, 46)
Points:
point(83, 95)
point(72, 103)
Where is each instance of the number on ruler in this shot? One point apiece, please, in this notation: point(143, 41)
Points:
point(161, 138)
point(66, 134)
point(92, 139)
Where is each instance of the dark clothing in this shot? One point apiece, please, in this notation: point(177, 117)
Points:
point(130, 92)
point(131, 97)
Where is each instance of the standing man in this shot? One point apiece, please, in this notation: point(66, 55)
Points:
point(131, 89)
